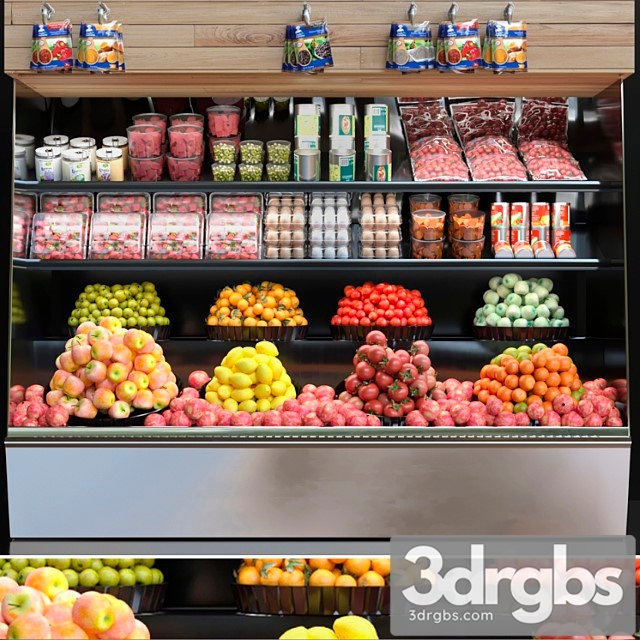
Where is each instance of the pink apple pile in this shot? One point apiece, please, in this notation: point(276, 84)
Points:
point(46, 609)
point(314, 407)
point(386, 382)
point(108, 369)
point(27, 408)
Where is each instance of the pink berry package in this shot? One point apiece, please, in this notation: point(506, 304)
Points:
point(59, 236)
point(175, 236)
point(117, 236)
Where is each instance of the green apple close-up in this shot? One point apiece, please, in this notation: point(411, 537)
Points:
point(88, 578)
point(59, 563)
point(80, 564)
point(72, 577)
point(127, 577)
point(109, 577)
point(143, 574)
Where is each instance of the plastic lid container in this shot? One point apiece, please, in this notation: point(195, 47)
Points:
point(133, 202)
point(174, 236)
point(233, 236)
point(424, 201)
point(427, 224)
point(59, 236)
point(145, 140)
point(278, 172)
point(184, 169)
point(251, 151)
point(224, 150)
point(459, 201)
point(187, 118)
point(223, 121)
point(180, 203)
point(467, 225)
point(186, 140)
point(117, 236)
point(279, 151)
point(467, 249)
point(231, 202)
point(146, 169)
point(427, 249)
point(157, 119)
point(223, 172)
point(21, 224)
point(250, 172)
point(73, 202)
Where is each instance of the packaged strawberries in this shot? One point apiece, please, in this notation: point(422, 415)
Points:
point(543, 120)
point(477, 118)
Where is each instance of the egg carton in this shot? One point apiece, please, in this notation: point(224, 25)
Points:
point(389, 251)
point(382, 199)
point(284, 237)
point(330, 217)
point(329, 237)
point(290, 198)
point(278, 220)
point(272, 252)
point(338, 198)
point(320, 252)
point(380, 237)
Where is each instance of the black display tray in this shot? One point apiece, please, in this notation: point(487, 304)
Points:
point(359, 333)
point(522, 334)
point(157, 333)
point(256, 334)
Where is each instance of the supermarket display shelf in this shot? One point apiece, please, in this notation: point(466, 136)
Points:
point(265, 436)
point(407, 186)
point(359, 264)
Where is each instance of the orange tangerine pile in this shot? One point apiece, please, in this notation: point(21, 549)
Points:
point(268, 304)
point(315, 572)
point(520, 376)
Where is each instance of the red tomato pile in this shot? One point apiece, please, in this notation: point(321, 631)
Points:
point(381, 305)
point(386, 382)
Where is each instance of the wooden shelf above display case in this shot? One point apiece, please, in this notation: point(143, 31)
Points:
point(334, 83)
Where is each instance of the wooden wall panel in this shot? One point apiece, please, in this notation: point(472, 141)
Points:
point(219, 36)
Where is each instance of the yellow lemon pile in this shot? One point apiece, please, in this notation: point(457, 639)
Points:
point(344, 628)
point(250, 379)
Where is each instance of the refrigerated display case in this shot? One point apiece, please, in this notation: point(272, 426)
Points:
point(251, 484)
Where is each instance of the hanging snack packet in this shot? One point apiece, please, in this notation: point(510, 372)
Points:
point(98, 47)
point(410, 47)
point(312, 46)
point(462, 46)
point(52, 46)
point(508, 46)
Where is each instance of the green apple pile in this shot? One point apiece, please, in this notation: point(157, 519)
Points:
point(136, 305)
point(512, 301)
point(88, 572)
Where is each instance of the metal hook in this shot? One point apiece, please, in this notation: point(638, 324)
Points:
point(47, 12)
point(413, 12)
point(306, 13)
point(508, 11)
point(103, 12)
point(453, 11)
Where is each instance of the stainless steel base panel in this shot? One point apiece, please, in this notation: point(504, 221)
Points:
point(201, 490)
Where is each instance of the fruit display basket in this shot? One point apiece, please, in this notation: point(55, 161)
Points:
point(256, 334)
point(158, 333)
point(276, 600)
point(147, 598)
point(135, 419)
point(359, 333)
point(522, 334)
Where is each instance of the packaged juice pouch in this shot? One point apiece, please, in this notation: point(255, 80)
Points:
point(509, 46)
point(312, 46)
point(441, 56)
point(487, 46)
point(410, 47)
point(52, 47)
point(462, 46)
point(98, 47)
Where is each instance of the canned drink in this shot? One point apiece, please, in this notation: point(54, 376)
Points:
point(500, 234)
point(540, 214)
point(522, 250)
point(561, 214)
point(542, 249)
point(379, 164)
point(500, 214)
point(520, 214)
point(502, 249)
point(519, 234)
point(540, 233)
point(564, 249)
point(342, 165)
point(306, 165)
point(561, 235)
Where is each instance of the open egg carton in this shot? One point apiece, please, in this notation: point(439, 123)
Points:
point(285, 226)
point(380, 226)
point(330, 236)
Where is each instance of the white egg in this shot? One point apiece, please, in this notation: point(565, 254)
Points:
point(329, 253)
point(380, 222)
point(272, 220)
point(393, 219)
point(393, 252)
point(317, 236)
point(342, 253)
point(285, 220)
point(297, 235)
point(366, 220)
point(316, 252)
point(342, 236)
point(381, 252)
point(342, 201)
point(393, 235)
point(297, 220)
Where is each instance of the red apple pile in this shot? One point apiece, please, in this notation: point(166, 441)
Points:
point(45, 608)
point(314, 407)
point(387, 382)
point(108, 369)
point(27, 408)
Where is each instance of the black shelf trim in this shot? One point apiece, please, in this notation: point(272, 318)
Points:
point(307, 187)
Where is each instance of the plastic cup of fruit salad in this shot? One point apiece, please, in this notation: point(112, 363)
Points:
point(145, 141)
point(146, 169)
point(184, 169)
point(186, 140)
